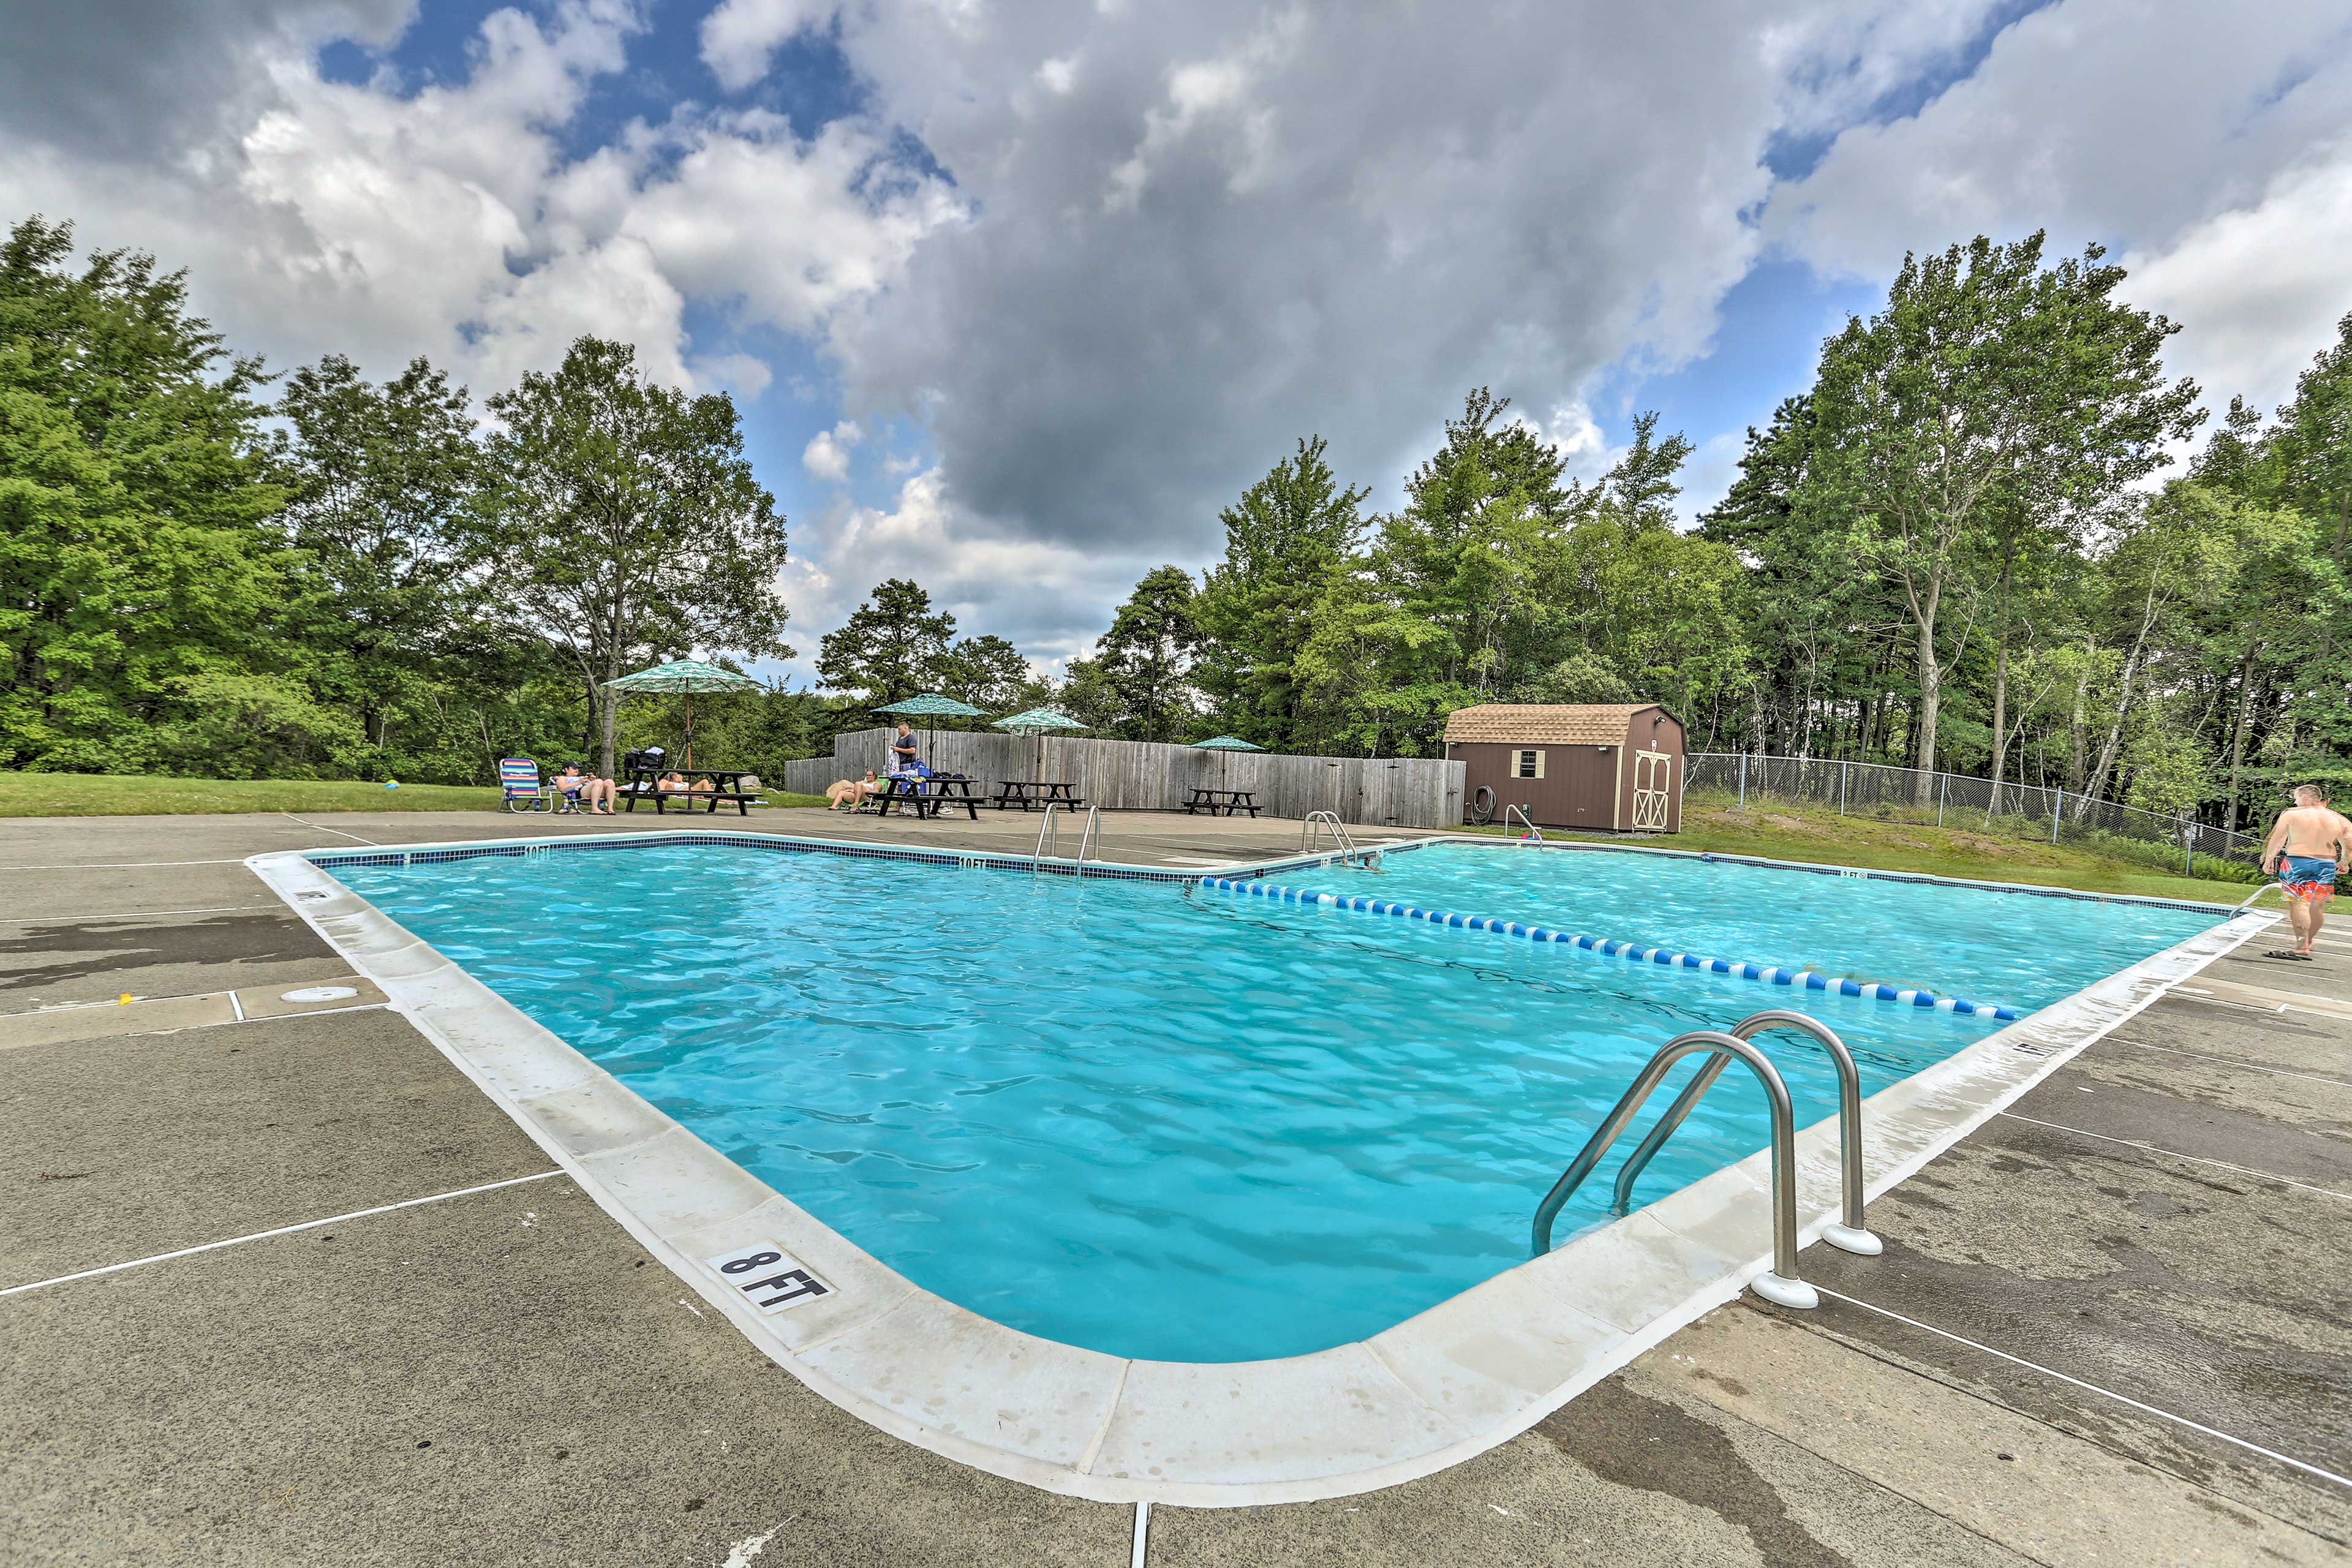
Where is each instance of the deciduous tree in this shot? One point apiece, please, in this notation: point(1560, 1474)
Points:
point(623, 521)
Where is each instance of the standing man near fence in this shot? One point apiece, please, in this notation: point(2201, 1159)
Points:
point(2308, 850)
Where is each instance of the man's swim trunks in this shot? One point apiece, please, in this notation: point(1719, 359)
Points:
point(2312, 879)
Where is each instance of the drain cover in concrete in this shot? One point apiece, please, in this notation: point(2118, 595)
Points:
point(320, 994)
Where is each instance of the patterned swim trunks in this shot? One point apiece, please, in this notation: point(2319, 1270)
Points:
point(2309, 877)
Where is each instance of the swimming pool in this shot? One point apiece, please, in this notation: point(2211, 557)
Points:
point(1177, 1126)
point(1385, 1114)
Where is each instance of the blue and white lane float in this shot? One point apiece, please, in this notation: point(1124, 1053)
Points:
point(1802, 979)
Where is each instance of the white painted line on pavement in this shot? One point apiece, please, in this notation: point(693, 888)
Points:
point(2230, 1061)
point(2095, 1388)
point(281, 1230)
point(122, 864)
point(2173, 1154)
point(337, 831)
point(132, 915)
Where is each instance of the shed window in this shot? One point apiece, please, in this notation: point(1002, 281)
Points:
point(1526, 764)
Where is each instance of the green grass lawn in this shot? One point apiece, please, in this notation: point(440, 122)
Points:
point(119, 795)
point(1786, 832)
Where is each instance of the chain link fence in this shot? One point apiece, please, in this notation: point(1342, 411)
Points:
point(1955, 800)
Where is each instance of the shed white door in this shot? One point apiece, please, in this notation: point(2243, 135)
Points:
point(1653, 789)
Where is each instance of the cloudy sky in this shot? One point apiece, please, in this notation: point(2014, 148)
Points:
point(1015, 296)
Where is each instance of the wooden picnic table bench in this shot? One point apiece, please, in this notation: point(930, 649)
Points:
point(1028, 793)
point(1222, 802)
point(727, 787)
point(929, 796)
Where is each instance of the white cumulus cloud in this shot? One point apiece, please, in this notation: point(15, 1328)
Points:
point(742, 36)
point(827, 454)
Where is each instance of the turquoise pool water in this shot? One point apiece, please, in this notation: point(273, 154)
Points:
point(1113, 1113)
point(2021, 949)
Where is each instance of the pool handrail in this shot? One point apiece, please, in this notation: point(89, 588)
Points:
point(1780, 1284)
point(1050, 833)
point(1533, 831)
point(1047, 833)
point(1339, 834)
point(1851, 1232)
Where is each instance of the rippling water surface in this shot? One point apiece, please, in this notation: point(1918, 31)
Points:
point(2021, 949)
point(1157, 1124)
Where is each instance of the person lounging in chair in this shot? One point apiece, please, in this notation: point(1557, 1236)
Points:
point(577, 785)
point(848, 795)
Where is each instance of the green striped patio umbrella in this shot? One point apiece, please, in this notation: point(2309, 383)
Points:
point(1037, 721)
point(930, 705)
point(1224, 743)
point(686, 676)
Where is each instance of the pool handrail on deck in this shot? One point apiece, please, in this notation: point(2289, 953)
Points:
point(1781, 1284)
point(1853, 1234)
point(1339, 835)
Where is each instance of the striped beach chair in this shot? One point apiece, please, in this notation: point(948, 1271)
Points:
point(518, 778)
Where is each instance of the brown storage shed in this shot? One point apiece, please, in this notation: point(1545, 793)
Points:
point(1581, 764)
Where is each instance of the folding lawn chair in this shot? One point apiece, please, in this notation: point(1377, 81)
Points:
point(519, 777)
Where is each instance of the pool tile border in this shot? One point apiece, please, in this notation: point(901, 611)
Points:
point(1425, 1394)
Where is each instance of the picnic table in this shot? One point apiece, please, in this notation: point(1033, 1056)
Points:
point(1221, 801)
point(929, 796)
point(1028, 793)
point(727, 785)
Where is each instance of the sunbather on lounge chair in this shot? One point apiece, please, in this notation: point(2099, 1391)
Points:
point(671, 783)
point(568, 785)
point(702, 786)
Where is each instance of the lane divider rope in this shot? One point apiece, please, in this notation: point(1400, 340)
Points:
point(1632, 952)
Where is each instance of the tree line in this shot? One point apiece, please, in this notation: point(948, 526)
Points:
point(209, 570)
point(1991, 538)
point(1986, 541)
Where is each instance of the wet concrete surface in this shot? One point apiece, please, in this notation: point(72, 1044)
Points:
point(2011, 1477)
point(2282, 1042)
point(48, 963)
point(1636, 1471)
point(2216, 1296)
point(2323, 976)
point(2289, 1126)
point(272, 1401)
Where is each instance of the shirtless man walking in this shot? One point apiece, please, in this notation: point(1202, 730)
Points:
point(2308, 850)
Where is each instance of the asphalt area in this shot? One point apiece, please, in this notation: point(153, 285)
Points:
point(278, 1285)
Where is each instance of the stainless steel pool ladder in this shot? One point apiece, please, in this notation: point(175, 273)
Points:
point(1339, 835)
point(1782, 1284)
point(1049, 836)
point(1852, 1233)
point(1521, 813)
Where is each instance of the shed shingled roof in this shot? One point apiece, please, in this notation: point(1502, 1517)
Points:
point(1545, 724)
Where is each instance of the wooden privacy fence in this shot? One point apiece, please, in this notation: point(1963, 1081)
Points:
point(1136, 775)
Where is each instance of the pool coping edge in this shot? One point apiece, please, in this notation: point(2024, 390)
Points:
point(1421, 1395)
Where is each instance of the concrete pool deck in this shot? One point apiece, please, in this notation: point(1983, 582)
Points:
point(496, 1373)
